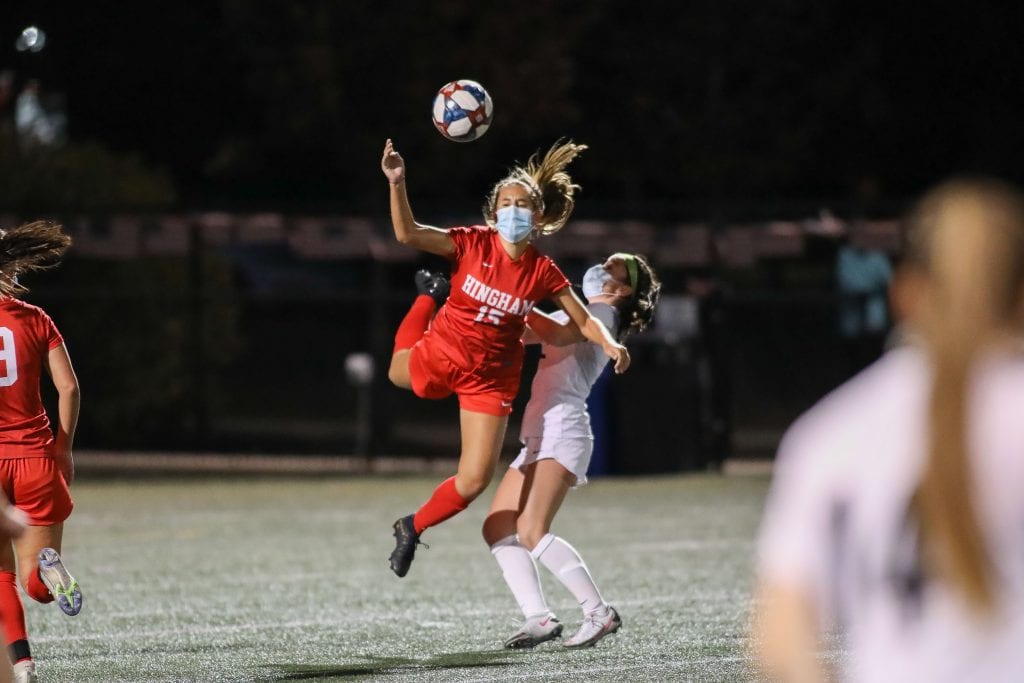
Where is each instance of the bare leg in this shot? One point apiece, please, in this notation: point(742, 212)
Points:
point(517, 565)
point(27, 549)
point(505, 508)
point(550, 481)
point(398, 372)
point(527, 502)
point(482, 435)
point(482, 438)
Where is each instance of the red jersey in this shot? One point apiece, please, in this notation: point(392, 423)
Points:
point(26, 335)
point(481, 325)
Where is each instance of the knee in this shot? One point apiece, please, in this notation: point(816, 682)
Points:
point(499, 525)
point(398, 377)
point(398, 370)
point(530, 532)
point(472, 484)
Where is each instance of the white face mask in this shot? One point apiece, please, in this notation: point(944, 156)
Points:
point(594, 279)
point(514, 223)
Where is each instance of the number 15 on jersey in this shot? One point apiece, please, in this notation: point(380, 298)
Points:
point(489, 315)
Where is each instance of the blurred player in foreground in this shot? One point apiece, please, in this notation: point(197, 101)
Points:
point(896, 517)
point(36, 465)
point(473, 347)
point(557, 442)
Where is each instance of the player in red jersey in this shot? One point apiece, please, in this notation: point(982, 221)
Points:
point(473, 347)
point(36, 466)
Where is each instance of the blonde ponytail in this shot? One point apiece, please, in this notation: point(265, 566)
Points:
point(549, 184)
point(556, 186)
point(967, 236)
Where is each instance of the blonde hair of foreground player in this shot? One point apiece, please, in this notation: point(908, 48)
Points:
point(918, 559)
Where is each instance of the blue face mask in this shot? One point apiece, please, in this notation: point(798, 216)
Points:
point(514, 223)
point(594, 279)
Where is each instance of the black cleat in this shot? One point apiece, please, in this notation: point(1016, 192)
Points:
point(433, 285)
point(406, 540)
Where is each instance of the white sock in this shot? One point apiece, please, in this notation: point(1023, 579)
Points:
point(565, 563)
point(520, 572)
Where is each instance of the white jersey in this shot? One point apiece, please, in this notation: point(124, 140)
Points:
point(557, 408)
point(836, 523)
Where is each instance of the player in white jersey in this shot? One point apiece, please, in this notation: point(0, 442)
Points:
point(895, 520)
point(557, 444)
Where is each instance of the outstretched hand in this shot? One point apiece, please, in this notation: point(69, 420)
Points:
point(392, 164)
point(619, 354)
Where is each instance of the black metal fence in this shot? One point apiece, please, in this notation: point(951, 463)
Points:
point(249, 345)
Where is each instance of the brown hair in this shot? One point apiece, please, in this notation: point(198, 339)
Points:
point(31, 246)
point(967, 238)
point(550, 186)
point(638, 310)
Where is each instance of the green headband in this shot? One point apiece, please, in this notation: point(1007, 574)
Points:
point(631, 267)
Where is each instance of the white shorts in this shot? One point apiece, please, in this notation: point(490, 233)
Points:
point(571, 453)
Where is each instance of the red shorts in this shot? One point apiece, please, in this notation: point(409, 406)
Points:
point(36, 486)
point(433, 375)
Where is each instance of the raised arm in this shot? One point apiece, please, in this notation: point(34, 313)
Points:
point(407, 230)
point(592, 328)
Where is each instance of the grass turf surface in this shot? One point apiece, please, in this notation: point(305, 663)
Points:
point(287, 580)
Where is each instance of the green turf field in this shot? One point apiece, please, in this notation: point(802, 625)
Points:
point(287, 580)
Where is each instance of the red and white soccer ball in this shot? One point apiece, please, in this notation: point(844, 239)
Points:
point(462, 110)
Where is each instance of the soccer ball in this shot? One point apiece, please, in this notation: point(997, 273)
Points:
point(462, 110)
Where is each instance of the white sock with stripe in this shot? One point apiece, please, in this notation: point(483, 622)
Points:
point(520, 572)
point(565, 563)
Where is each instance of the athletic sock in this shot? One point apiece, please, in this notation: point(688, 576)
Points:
point(19, 651)
point(415, 322)
point(444, 503)
point(520, 572)
point(12, 618)
point(36, 589)
point(565, 563)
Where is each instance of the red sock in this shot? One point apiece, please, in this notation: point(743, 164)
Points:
point(446, 502)
point(36, 589)
point(12, 613)
point(415, 322)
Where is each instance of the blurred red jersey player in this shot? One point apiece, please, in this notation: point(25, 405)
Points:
point(36, 466)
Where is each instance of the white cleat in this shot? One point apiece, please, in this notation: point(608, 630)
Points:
point(534, 631)
point(62, 586)
point(594, 628)
point(25, 672)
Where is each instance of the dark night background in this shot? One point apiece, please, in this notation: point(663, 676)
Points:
point(687, 106)
point(718, 131)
